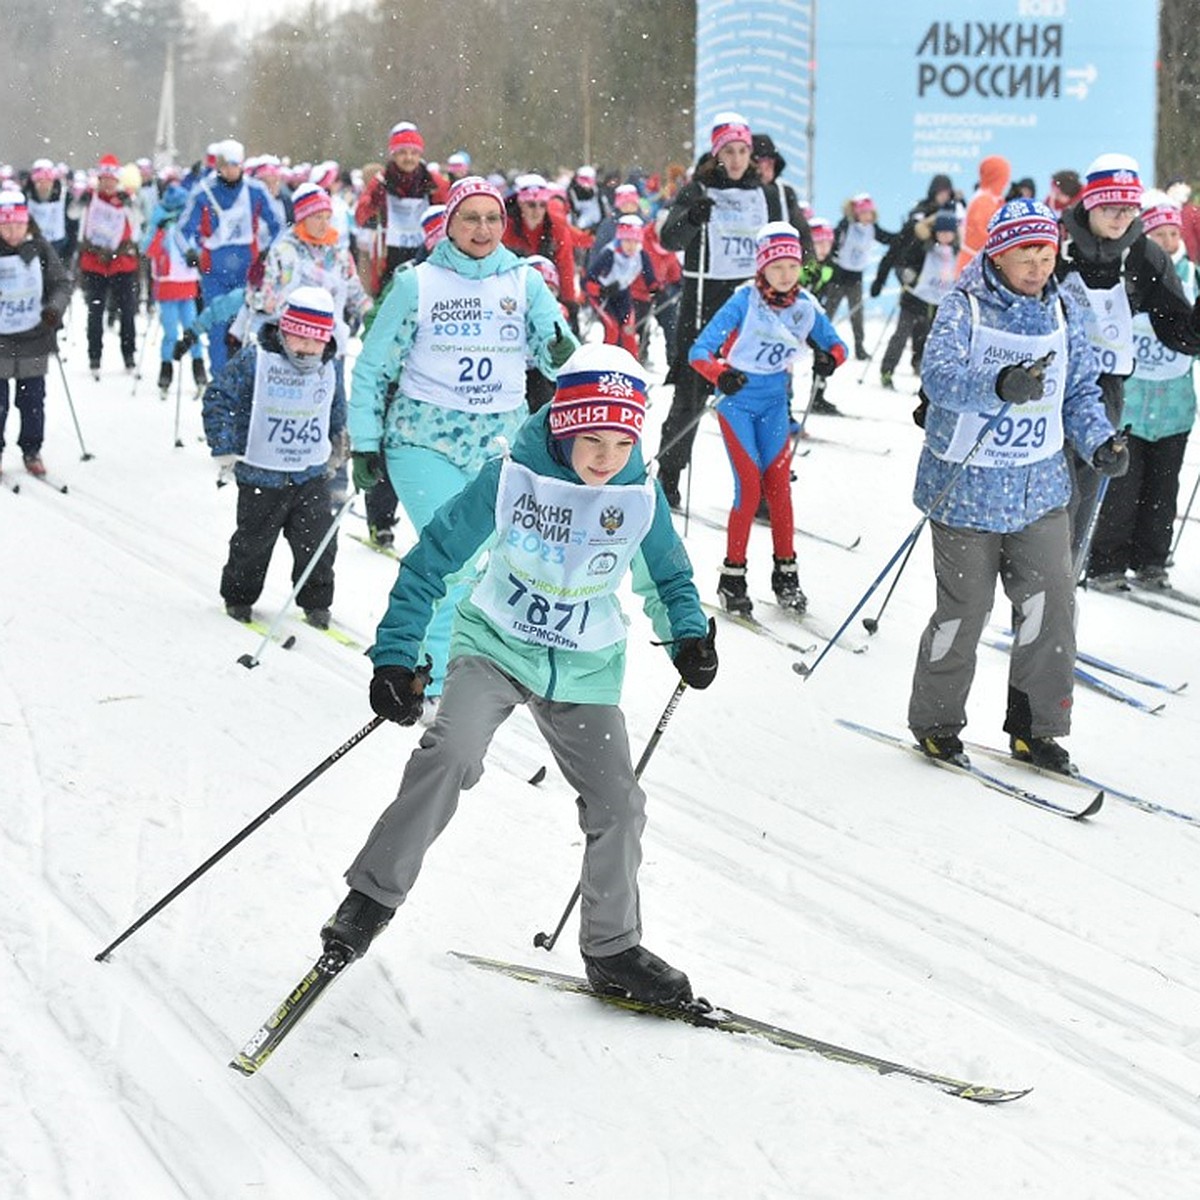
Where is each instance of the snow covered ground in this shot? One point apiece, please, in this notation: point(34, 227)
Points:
point(798, 872)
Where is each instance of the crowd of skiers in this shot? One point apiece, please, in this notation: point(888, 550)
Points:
point(1053, 342)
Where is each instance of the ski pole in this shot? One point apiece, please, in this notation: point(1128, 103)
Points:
point(249, 661)
point(84, 455)
point(814, 393)
point(178, 405)
point(806, 671)
point(1187, 512)
point(1080, 560)
point(879, 342)
point(545, 941)
point(242, 835)
point(871, 624)
point(137, 370)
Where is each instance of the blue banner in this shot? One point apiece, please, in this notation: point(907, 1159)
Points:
point(754, 58)
point(909, 90)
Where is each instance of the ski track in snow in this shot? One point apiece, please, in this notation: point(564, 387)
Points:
point(798, 874)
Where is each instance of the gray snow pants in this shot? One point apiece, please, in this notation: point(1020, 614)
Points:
point(591, 748)
point(1034, 566)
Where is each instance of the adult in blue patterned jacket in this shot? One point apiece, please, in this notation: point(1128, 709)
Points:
point(568, 514)
point(1009, 350)
point(453, 336)
point(229, 221)
point(275, 413)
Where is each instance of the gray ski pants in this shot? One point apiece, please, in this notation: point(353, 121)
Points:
point(1034, 566)
point(591, 748)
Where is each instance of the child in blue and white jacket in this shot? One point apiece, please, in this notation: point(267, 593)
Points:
point(567, 515)
point(1008, 372)
point(747, 351)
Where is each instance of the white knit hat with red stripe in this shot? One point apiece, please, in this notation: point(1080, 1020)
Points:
point(405, 133)
point(598, 388)
point(309, 200)
point(308, 312)
point(1159, 210)
point(468, 186)
point(13, 205)
point(1111, 179)
point(730, 127)
point(776, 240)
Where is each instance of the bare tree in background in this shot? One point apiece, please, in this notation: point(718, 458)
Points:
point(1178, 92)
point(540, 83)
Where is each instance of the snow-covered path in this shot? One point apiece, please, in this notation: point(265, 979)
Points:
point(799, 873)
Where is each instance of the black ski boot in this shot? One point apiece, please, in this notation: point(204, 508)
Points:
point(1043, 752)
point(382, 536)
point(945, 746)
point(165, 377)
point(240, 612)
point(199, 375)
point(785, 583)
point(318, 618)
point(731, 588)
point(356, 924)
point(640, 975)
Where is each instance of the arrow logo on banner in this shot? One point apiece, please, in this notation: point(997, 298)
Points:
point(1085, 76)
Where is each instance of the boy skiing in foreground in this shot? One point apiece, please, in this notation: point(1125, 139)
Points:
point(571, 511)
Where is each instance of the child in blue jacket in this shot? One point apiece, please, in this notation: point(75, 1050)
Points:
point(747, 350)
point(276, 412)
point(567, 514)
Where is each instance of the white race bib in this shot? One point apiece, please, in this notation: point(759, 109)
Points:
point(1108, 322)
point(854, 254)
point(1031, 432)
point(1155, 361)
point(104, 224)
point(235, 224)
point(20, 293)
point(624, 270)
point(51, 218)
point(769, 338)
point(561, 550)
point(738, 214)
point(937, 274)
point(289, 417)
point(404, 221)
point(469, 350)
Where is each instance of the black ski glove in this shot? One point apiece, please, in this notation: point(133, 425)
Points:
point(398, 694)
point(700, 210)
point(184, 344)
point(730, 381)
point(1024, 382)
point(877, 286)
point(824, 363)
point(1112, 457)
point(192, 258)
point(696, 658)
point(51, 317)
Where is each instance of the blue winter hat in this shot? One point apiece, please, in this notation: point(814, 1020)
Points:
point(946, 221)
point(174, 198)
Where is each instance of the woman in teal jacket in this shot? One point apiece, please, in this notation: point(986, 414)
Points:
point(441, 375)
point(566, 515)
